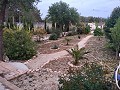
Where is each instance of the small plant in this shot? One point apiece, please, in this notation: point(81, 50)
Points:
point(54, 47)
point(67, 40)
point(57, 31)
point(53, 37)
point(77, 54)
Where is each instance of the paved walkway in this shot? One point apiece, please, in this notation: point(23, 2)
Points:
point(42, 59)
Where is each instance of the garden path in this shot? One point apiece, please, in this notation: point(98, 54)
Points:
point(42, 59)
point(12, 70)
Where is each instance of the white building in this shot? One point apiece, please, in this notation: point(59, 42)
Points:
point(94, 25)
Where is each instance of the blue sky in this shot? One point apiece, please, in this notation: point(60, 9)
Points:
point(97, 8)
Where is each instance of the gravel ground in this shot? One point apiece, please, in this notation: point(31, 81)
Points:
point(46, 78)
point(45, 48)
point(99, 51)
point(59, 65)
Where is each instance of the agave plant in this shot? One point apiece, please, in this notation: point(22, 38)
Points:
point(77, 54)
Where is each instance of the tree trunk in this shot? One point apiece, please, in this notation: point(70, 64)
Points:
point(2, 20)
point(45, 25)
point(53, 25)
point(13, 20)
point(117, 53)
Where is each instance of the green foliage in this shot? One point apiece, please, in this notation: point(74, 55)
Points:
point(80, 28)
point(18, 44)
point(57, 31)
point(23, 10)
point(77, 54)
point(111, 21)
point(98, 32)
point(115, 36)
point(53, 36)
point(62, 14)
point(91, 19)
point(89, 77)
point(54, 47)
point(87, 29)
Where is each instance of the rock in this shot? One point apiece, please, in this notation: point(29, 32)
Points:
point(6, 59)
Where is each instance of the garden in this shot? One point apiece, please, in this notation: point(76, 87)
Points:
point(66, 56)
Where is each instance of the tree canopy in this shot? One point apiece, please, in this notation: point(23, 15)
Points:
point(111, 21)
point(115, 35)
point(13, 5)
point(62, 14)
point(91, 19)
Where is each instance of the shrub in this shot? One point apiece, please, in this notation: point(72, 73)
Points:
point(18, 44)
point(72, 31)
point(87, 30)
point(54, 47)
point(80, 28)
point(89, 77)
point(53, 37)
point(57, 31)
point(98, 32)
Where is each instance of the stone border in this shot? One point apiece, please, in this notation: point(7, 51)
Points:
point(8, 84)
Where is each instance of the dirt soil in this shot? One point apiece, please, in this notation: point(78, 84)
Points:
point(45, 48)
point(46, 78)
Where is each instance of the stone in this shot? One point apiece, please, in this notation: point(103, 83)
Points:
point(6, 59)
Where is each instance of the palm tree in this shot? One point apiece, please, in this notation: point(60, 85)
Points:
point(77, 54)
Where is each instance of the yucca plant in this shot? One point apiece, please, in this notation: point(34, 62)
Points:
point(77, 54)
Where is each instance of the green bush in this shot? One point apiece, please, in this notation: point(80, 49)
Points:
point(89, 77)
point(54, 47)
point(87, 30)
point(98, 32)
point(18, 44)
point(53, 37)
point(57, 31)
point(72, 31)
